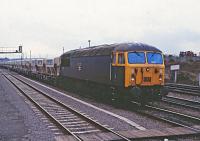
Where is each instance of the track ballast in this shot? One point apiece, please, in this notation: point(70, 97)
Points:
point(69, 121)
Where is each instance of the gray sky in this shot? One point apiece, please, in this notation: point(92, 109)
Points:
point(45, 26)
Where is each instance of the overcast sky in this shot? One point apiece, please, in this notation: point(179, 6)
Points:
point(45, 26)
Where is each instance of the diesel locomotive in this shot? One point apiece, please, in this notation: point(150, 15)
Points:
point(126, 71)
point(132, 71)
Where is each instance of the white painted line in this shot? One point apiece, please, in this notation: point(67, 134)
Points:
point(92, 106)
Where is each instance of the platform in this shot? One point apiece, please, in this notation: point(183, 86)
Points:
point(17, 120)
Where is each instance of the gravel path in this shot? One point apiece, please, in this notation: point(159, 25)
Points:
point(17, 120)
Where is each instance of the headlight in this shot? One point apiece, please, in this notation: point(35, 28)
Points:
point(132, 77)
point(160, 77)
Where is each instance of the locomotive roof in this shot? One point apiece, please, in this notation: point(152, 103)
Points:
point(107, 49)
point(135, 47)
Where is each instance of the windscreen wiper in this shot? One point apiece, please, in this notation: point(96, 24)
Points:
point(153, 53)
point(137, 53)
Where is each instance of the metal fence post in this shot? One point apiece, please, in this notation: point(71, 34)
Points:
point(175, 77)
point(199, 79)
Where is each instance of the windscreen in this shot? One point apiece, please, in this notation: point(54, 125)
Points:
point(154, 58)
point(136, 58)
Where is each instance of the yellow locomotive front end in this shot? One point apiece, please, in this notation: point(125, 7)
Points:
point(144, 69)
point(144, 73)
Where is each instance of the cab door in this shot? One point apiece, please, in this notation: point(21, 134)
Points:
point(118, 69)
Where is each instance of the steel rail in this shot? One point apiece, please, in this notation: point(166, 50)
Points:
point(182, 102)
point(184, 90)
point(177, 114)
point(146, 107)
point(74, 111)
point(141, 111)
point(181, 88)
point(183, 85)
point(138, 110)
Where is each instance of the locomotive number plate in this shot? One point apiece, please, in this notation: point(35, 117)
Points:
point(147, 79)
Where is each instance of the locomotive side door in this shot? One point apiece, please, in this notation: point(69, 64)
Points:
point(118, 69)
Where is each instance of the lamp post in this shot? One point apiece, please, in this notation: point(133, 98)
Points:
point(89, 42)
point(30, 62)
point(30, 55)
point(22, 55)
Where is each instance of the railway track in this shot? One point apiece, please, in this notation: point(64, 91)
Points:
point(182, 88)
point(171, 117)
point(69, 121)
point(119, 137)
point(182, 102)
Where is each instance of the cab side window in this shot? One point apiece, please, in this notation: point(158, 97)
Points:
point(114, 58)
point(121, 59)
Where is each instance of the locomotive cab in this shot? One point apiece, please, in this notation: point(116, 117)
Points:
point(140, 71)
